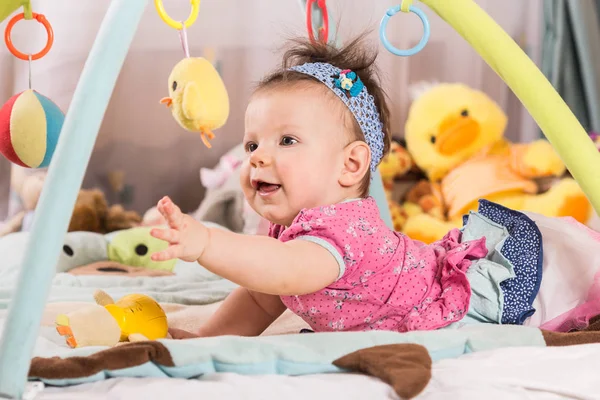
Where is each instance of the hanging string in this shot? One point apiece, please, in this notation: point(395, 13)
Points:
point(184, 41)
point(29, 71)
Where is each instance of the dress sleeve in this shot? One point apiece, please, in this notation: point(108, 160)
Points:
point(326, 231)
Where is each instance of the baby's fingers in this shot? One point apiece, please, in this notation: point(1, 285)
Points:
point(171, 212)
point(170, 253)
point(168, 235)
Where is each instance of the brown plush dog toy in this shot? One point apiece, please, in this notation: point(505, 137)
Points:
point(92, 213)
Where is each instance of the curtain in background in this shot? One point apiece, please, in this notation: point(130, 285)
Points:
point(139, 141)
point(571, 55)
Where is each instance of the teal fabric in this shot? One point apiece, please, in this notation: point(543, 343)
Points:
point(304, 353)
point(486, 274)
point(54, 122)
point(571, 56)
point(487, 299)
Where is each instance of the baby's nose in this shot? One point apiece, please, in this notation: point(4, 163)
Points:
point(260, 157)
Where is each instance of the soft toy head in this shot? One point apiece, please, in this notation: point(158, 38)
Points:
point(29, 128)
point(82, 248)
point(91, 213)
point(197, 95)
point(135, 246)
point(449, 123)
point(140, 314)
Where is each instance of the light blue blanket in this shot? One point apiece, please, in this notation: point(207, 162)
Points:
point(297, 354)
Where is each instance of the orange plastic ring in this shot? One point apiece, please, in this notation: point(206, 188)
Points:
point(42, 20)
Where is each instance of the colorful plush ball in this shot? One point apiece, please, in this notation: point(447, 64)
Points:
point(29, 128)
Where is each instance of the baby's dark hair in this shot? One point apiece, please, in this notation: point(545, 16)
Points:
point(355, 56)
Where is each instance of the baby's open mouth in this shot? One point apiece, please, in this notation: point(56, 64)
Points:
point(265, 188)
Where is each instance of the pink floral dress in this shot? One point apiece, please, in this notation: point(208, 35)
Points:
point(387, 281)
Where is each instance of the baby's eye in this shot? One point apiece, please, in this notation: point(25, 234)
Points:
point(250, 147)
point(174, 86)
point(288, 141)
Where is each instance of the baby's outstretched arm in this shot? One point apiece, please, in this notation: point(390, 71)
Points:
point(258, 263)
point(243, 313)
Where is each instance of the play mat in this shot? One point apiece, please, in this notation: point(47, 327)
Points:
point(45, 273)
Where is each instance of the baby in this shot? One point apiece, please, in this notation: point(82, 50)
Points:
point(315, 131)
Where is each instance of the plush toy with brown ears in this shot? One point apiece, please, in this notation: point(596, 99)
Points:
point(93, 214)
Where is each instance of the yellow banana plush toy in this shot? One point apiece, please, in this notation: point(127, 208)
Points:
point(135, 317)
point(197, 97)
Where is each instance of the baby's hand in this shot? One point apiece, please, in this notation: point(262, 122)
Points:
point(187, 237)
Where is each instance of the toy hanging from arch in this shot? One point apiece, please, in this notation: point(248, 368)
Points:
point(323, 31)
point(30, 123)
point(197, 97)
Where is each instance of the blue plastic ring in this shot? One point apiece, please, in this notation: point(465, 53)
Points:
point(410, 52)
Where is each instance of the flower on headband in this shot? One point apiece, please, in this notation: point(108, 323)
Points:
point(348, 81)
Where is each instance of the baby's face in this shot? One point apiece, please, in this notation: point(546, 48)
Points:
point(295, 141)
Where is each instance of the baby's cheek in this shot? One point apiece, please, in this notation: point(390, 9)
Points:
point(287, 168)
point(245, 184)
point(245, 175)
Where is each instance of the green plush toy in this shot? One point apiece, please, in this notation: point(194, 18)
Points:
point(126, 252)
point(135, 246)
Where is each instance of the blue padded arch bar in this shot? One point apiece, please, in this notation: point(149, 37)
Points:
point(59, 194)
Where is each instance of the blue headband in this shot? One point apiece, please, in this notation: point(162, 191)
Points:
point(349, 88)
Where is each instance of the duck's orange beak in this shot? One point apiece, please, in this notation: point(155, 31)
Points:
point(456, 133)
point(166, 100)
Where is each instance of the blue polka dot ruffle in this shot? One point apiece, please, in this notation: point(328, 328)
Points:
point(523, 248)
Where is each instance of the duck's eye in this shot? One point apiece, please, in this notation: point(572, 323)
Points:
point(464, 113)
point(432, 139)
point(174, 85)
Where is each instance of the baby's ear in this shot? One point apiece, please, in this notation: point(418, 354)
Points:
point(357, 158)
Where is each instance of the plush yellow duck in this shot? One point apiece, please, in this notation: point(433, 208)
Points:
point(134, 317)
point(455, 135)
point(197, 97)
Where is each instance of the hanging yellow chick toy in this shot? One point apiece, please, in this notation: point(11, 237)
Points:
point(134, 317)
point(197, 97)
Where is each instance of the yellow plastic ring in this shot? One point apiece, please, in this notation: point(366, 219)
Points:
point(176, 24)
